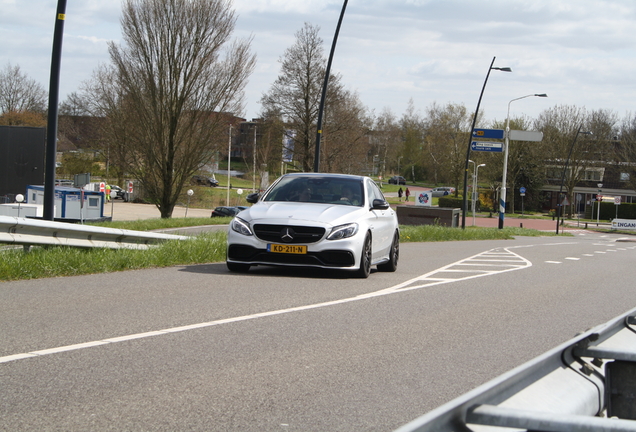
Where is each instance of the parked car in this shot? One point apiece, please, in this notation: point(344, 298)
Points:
point(121, 194)
point(204, 181)
point(397, 180)
point(332, 221)
point(226, 211)
point(442, 191)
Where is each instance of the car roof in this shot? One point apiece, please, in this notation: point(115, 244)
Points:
point(332, 175)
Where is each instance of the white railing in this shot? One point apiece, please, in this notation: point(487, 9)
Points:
point(586, 384)
point(27, 232)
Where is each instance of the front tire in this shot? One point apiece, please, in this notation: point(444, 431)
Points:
point(237, 267)
point(365, 259)
point(394, 256)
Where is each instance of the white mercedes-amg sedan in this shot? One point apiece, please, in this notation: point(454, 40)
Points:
point(332, 221)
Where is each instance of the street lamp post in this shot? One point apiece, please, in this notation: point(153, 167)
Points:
point(470, 136)
point(229, 154)
point(502, 197)
point(567, 161)
point(321, 107)
point(474, 193)
point(598, 207)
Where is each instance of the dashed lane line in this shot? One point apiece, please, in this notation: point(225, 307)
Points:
point(488, 263)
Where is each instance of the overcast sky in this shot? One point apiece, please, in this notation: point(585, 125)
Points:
point(579, 52)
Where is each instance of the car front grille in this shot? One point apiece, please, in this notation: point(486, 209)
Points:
point(330, 258)
point(288, 234)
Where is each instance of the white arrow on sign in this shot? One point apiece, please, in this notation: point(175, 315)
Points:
point(517, 135)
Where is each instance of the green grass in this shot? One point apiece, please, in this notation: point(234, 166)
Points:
point(435, 233)
point(160, 224)
point(43, 262)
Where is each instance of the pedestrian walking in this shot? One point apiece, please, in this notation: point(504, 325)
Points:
point(407, 194)
point(400, 192)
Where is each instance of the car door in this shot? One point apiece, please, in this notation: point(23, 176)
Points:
point(382, 223)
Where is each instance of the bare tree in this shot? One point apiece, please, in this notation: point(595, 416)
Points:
point(386, 140)
point(447, 128)
point(626, 148)
point(295, 95)
point(560, 125)
point(19, 93)
point(75, 104)
point(412, 126)
point(177, 68)
point(345, 142)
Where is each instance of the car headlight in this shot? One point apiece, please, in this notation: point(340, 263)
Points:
point(241, 227)
point(343, 231)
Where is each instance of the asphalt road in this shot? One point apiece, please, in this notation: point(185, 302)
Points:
point(198, 348)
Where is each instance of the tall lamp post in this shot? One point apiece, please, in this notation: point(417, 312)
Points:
point(229, 155)
point(321, 107)
point(51, 123)
point(502, 196)
point(598, 207)
point(470, 136)
point(567, 161)
point(474, 193)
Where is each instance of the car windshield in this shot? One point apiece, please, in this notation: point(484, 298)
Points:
point(326, 190)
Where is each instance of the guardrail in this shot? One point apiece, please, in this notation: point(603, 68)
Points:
point(586, 384)
point(28, 232)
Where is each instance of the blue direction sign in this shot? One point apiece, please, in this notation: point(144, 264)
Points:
point(488, 133)
point(486, 146)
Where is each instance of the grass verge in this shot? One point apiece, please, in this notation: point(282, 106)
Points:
point(43, 262)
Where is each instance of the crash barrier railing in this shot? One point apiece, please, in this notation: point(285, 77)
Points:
point(27, 232)
point(585, 384)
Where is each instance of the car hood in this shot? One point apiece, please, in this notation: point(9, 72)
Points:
point(301, 213)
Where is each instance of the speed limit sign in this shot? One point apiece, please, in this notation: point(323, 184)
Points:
point(617, 200)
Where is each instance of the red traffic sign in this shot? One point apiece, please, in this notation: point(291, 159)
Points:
point(599, 197)
point(130, 187)
point(102, 187)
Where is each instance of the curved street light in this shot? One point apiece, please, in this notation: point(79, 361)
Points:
point(321, 107)
point(502, 197)
point(470, 136)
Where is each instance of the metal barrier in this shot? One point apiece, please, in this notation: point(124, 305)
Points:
point(27, 232)
point(586, 384)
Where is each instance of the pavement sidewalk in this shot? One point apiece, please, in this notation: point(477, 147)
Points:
point(126, 211)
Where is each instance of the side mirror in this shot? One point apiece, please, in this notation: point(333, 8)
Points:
point(253, 198)
point(379, 204)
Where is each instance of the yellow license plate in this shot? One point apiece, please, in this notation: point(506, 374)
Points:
point(287, 249)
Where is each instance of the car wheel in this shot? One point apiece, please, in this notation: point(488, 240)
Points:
point(394, 256)
point(237, 267)
point(365, 259)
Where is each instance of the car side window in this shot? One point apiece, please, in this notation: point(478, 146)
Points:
point(373, 192)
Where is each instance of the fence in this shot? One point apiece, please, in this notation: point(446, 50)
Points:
point(27, 232)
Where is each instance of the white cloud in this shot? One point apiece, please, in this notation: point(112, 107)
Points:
point(578, 51)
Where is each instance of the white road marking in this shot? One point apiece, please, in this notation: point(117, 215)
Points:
point(509, 261)
point(554, 262)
